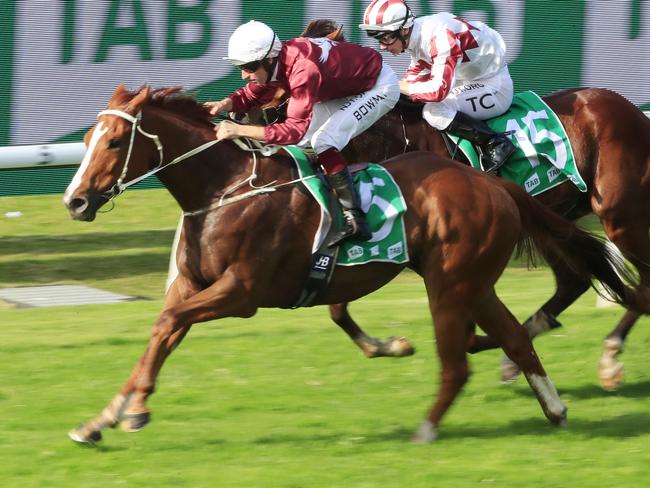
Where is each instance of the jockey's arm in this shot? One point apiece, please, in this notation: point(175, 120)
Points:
point(215, 108)
point(230, 130)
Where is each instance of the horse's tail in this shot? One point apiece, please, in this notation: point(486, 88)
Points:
point(587, 255)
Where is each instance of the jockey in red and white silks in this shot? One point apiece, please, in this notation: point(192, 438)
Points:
point(459, 65)
point(457, 69)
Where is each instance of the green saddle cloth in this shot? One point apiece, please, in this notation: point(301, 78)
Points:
point(382, 202)
point(543, 158)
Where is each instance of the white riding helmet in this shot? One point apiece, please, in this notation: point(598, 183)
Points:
point(252, 41)
point(387, 16)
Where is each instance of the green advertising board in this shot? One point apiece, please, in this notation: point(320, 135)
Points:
point(61, 60)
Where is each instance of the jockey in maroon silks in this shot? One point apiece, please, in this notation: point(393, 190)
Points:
point(337, 90)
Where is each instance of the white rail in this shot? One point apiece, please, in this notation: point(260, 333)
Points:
point(63, 154)
point(41, 155)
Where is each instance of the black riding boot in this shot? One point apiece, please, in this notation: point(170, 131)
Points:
point(495, 147)
point(355, 224)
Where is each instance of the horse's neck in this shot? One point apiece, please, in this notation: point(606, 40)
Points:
point(196, 181)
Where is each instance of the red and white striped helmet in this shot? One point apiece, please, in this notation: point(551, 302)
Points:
point(387, 16)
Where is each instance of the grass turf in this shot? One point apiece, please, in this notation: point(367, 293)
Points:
point(285, 399)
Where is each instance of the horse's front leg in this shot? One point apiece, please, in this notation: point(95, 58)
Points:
point(370, 346)
point(449, 320)
point(227, 297)
point(116, 411)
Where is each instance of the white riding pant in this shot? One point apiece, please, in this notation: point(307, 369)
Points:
point(481, 99)
point(337, 121)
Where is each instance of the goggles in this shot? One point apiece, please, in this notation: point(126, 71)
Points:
point(250, 67)
point(385, 38)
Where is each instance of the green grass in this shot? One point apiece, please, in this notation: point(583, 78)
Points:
point(284, 399)
point(125, 250)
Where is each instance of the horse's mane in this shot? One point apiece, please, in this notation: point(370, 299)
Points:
point(173, 99)
point(324, 28)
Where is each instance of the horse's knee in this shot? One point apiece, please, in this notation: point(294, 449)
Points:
point(517, 344)
point(338, 312)
point(165, 325)
point(456, 376)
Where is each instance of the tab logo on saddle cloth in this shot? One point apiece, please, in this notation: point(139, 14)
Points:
point(381, 200)
point(544, 158)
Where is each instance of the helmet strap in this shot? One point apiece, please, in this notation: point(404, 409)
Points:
point(269, 66)
point(269, 63)
point(404, 38)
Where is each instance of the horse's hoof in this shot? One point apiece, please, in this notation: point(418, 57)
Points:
point(398, 347)
point(394, 347)
point(509, 370)
point(610, 370)
point(425, 434)
point(612, 377)
point(89, 439)
point(134, 422)
point(560, 420)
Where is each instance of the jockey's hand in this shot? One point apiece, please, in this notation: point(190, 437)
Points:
point(404, 87)
point(226, 130)
point(224, 105)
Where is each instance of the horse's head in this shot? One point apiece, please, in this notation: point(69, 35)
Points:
point(113, 158)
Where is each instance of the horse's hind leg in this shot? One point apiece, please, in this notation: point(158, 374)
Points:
point(370, 346)
point(633, 240)
point(497, 321)
point(569, 287)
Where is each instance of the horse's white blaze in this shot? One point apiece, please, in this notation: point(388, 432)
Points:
point(547, 392)
point(99, 131)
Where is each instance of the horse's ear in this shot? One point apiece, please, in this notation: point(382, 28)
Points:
point(337, 35)
point(120, 95)
point(119, 90)
point(143, 95)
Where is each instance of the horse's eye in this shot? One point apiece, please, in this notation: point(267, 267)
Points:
point(114, 144)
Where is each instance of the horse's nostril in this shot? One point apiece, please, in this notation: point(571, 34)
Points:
point(78, 205)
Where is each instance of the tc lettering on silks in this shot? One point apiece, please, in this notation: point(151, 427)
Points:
point(482, 101)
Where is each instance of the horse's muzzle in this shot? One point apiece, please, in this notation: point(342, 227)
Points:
point(83, 207)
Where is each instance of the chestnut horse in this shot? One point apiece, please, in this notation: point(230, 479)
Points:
point(610, 138)
point(247, 232)
point(611, 144)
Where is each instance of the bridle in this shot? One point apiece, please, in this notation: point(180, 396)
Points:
point(119, 185)
point(249, 145)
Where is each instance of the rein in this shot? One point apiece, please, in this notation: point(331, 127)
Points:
point(406, 139)
point(250, 145)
